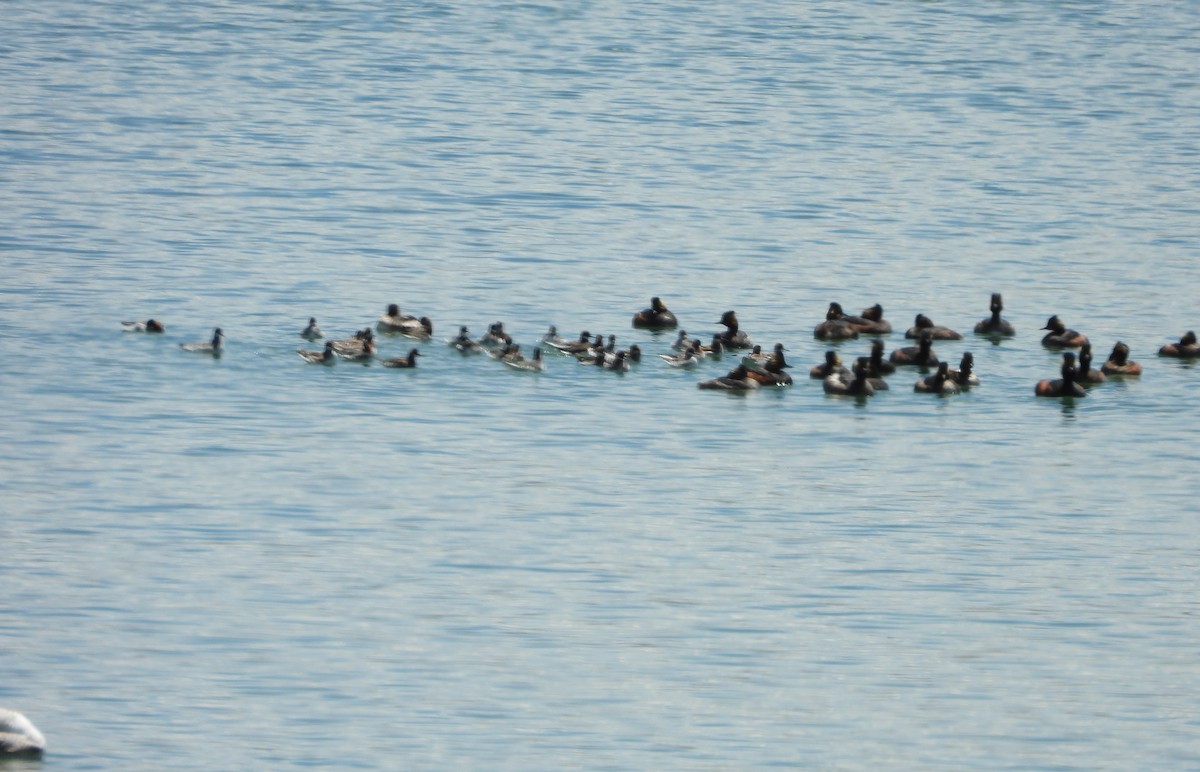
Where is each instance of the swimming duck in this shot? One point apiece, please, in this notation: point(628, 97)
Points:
point(837, 326)
point(872, 321)
point(326, 357)
point(859, 386)
point(1061, 337)
point(495, 337)
point(923, 324)
point(19, 737)
point(393, 320)
point(995, 325)
point(552, 338)
point(532, 364)
point(405, 361)
point(938, 383)
point(714, 349)
point(771, 373)
point(1118, 362)
point(352, 347)
point(732, 337)
point(682, 341)
point(656, 317)
point(965, 375)
point(421, 329)
point(737, 379)
point(212, 347)
point(1186, 348)
point(463, 343)
point(150, 325)
point(831, 366)
point(688, 358)
point(633, 353)
point(879, 366)
point(364, 352)
point(618, 362)
point(920, 355)
point(1064, 386)
point(756, 358)
point(312, 331)
point(583, 343)
point(1085, 374)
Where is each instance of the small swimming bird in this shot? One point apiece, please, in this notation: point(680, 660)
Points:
point(393, 320)
point(859, 386)
point(837, 326)
point(463, 343)
point(831, 366)
point(879, 366)
point(1118, 362)
point(995, 325)
point(1186, 348)
point(687, 358)
point(496, 337)
point(732, 337)
point(965, 375)
point(420, 329)
point(920, 355)
point(737, 379)
point(19, 737)
point(533, 364)
point(582, 343)
point(1064, 386)
point(938, 383)
point(312, 331)
point(1085, 374)
point(404, 361)
point(1061, 337)
point(656, 317)
point(872, 321)
point(326, 357)
point(150, 325)
point(923, 324)
point(771, 372)
point(682, 341)
point(349, 348)
point(552, 338)
point(212, 347)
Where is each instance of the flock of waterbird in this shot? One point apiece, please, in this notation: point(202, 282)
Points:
point(756, 368)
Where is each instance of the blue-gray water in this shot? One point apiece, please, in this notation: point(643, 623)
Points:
point(257, 563)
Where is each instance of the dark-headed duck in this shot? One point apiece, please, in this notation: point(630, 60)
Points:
point(150, 325)
point(213, 346)
point(393, 320)
point(737, 379)
point(1186, 348)
point(920, 355)
point(1061, 337)
point(965, 375)
point(994, 325)
point(837, 326)
point(923, 324)
point(463, 343)
point(326, 357)
point(1064, 386)
point(517, 361)
point(858, 386)
point(732, 337)
point(404, 361)
point(312, 331)
point(1085, 374)
point(1118, 362)
point(872, 321)
point(938, 383)
point(656, 317)
point(831, 366)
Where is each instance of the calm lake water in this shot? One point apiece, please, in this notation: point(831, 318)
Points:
point(255, 563)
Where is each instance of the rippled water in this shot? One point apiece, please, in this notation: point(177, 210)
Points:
point(256, 563)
